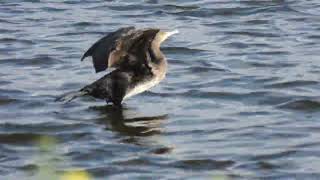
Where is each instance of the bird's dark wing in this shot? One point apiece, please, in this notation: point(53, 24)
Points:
point(105, 52)
point(138, 47)
point(122, 48)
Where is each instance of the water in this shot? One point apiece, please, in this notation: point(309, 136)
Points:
point(241, 98)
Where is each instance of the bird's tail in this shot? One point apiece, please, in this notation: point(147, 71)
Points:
point(71, 95)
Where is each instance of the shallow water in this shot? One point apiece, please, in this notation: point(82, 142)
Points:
point(241, 98)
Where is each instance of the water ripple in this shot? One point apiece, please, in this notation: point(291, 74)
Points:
point(301, 105)
point(240, 99)
point(290, 84)
point(203, 164)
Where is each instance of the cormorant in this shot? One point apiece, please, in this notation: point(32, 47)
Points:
point(139, 64)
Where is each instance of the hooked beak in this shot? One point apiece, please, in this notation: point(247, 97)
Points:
point(165, 35)
point(168, 34)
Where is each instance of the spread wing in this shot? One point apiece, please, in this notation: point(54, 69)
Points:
point(122, 48)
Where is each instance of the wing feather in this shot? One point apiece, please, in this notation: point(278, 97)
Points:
point(115, 49)
point(101, 50)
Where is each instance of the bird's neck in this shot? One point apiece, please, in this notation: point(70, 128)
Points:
point(155, 53)
point(157, 61)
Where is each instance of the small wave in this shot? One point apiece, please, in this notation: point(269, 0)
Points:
point(33, 1)
point(12, 128)
point(181, 50)
point(11, 92)
point(28, 167)
point(207, 12)
point(180, 7)
point(84, 24)
point(273, 53)
point(222, 24)
point(78, 34)
point(208, 94)
point(257, 21)
point(201, 164)
point(229, 23)
point(237, 45)
point(301, 105)
point(15, 40)
point(310, 8)
point(162, 150)
point(135, 161)
point(252, 34)
point(52, 9)
point(264, 2)
point(200, 69)
point(77, 2)
point(140, 15)
point(194, 164)
point(316, 37)
point(8, 31)
point(2, 83)
point(129, 7)
point(6, 101)
point(7, 21)
point(271, 65)
point(37, 60)
point(264, 165)
point(274, 155)
point(289, 84)
point(19, 138)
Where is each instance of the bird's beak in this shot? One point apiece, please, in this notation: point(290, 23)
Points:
point(165, 35)
point(168, 34)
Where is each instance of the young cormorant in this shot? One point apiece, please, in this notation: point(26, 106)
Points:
point(139, 64)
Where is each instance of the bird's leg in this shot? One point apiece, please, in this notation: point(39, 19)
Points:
point(118, 106)
point(115, 104)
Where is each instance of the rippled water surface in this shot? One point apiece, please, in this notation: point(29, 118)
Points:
point(241, 98)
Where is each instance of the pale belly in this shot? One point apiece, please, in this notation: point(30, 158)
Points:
point(142, 87)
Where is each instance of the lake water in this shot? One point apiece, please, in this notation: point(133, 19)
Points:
point(241, 99)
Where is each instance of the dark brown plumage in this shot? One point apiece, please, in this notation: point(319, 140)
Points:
point(139, 64)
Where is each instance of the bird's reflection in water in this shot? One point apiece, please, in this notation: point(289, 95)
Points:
point(118, 121)
point(133, 128)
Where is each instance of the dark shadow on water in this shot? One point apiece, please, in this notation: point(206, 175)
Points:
point(116, 119)
point(133, 127)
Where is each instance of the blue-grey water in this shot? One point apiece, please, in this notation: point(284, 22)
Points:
point(241, 99)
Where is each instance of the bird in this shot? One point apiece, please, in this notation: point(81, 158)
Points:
point(136, 58)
